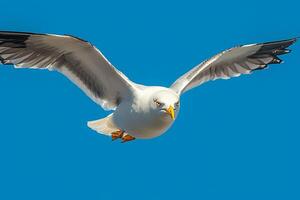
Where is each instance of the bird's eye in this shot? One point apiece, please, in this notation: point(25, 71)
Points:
point(158, 104)
point(177, 104)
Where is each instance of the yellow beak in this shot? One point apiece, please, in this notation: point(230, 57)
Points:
point(171, 112)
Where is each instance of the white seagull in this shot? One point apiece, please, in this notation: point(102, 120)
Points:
point(139, 111)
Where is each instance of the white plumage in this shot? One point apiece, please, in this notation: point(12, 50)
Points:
point(140, 111)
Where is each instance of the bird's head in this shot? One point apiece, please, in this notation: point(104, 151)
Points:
point(166, 103)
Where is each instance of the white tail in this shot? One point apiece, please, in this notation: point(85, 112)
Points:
point(103, 126)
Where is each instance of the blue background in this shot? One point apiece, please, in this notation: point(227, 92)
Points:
point(235, 139)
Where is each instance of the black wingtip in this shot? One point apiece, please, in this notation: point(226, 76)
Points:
point(280, 43)
point(281, 51)
point(13, 39)
point(294, 40)
point(276, 47)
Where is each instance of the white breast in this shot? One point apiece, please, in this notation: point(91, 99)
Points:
point(137, 119)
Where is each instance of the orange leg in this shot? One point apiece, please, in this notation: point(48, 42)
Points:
point(117, 134)
point(127, 138)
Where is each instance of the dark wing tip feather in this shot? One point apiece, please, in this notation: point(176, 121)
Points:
point(282, 51)
point(17, 38)
point(274, 49)
point(280, 44)
point(277, 47)
point(13, 39)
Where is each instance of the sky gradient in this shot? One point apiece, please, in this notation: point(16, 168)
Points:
point(233, 139)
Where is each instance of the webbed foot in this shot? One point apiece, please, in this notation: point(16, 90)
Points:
point(117, 134)
point(127, 138)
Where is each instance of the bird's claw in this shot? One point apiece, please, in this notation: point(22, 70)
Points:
point(117, 134)
point(121, 134)
point(127, 138)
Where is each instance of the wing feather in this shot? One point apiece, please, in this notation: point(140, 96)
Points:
point(77, 59)
point(233, 62)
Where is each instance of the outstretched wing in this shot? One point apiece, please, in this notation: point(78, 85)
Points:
point(81, 62)
point(233, 62)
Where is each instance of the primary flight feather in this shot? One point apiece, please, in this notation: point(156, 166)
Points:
point(140, 111)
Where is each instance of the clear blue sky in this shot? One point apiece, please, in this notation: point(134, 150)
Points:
point(235, 139)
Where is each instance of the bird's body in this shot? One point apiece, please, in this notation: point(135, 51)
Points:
point(137, 117)
point(139, 111)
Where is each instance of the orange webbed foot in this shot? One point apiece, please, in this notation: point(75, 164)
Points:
point(127, 138)
point(117, 134)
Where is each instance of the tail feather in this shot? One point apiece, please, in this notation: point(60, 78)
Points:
point(103, 126)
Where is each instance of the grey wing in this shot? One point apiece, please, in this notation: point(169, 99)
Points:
point(233, 62)
point(81, 62)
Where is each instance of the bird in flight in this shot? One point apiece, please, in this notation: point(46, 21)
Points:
point(139, 111)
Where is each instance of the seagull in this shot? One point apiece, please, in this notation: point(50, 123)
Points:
point(139, 111)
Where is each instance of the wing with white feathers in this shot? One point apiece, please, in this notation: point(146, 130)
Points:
point(80, 61)
point(233, 62)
